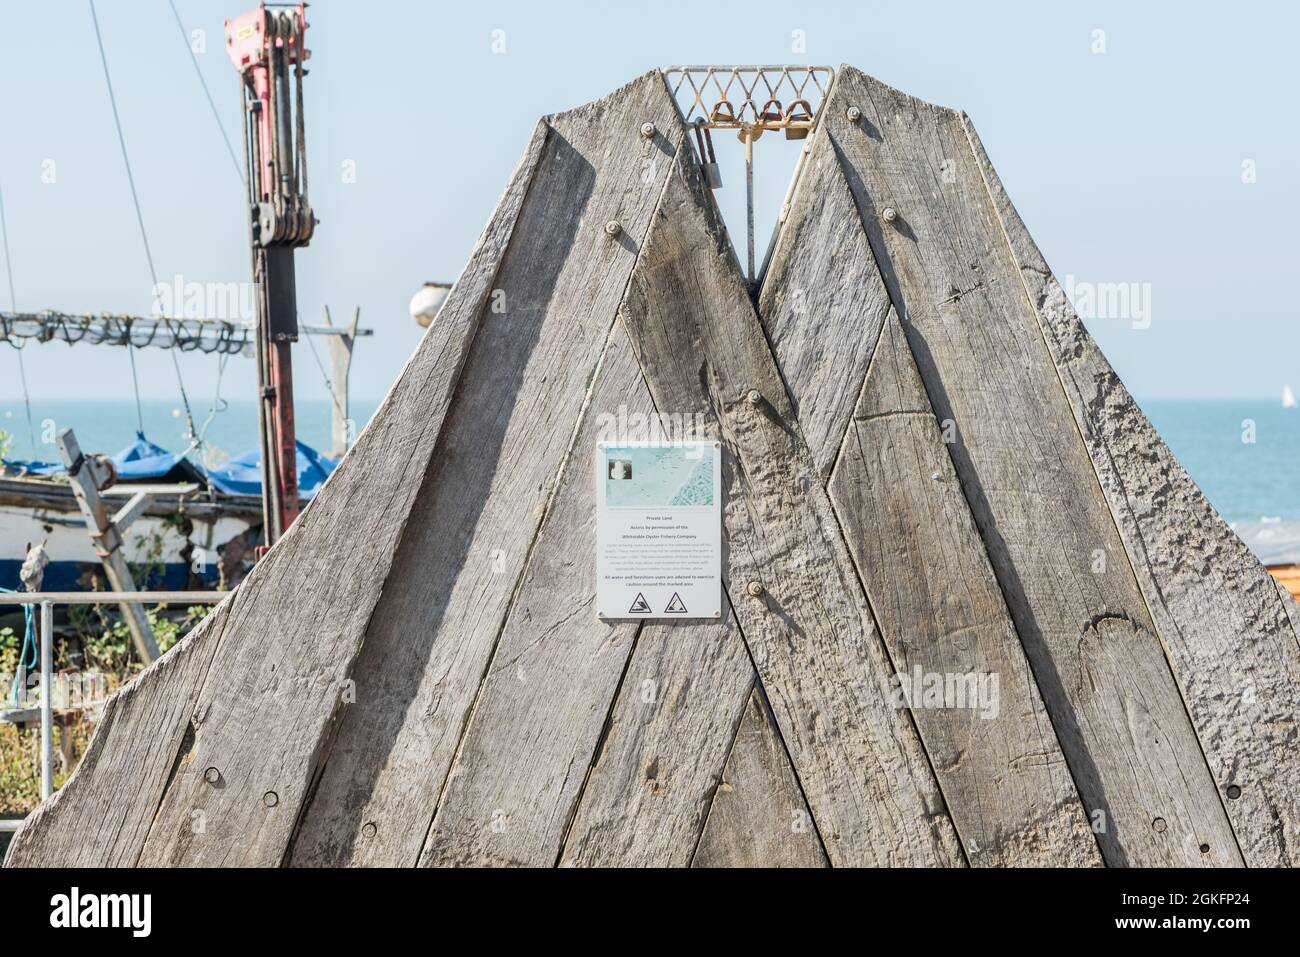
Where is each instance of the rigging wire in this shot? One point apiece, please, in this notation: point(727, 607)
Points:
point(216, 115)
point(13, 306)
point(144, 237)
point(329, 383)
point(218, 405)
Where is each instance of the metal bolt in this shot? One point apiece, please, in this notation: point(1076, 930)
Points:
point(613, 227)
point(212, 775)
point(647, 130)
point(1234, 792)
point(1205, 848)
point(754, 397)
point(270, 799)
point(1159, 824)
point(755, 589)
point(890, 214)
point(853, 113)
point(935, 476)
point(368, 829)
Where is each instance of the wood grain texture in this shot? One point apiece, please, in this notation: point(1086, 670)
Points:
point(758, 817)
point(252, 691)
point(1233, 649)
point(811, 635)
point(512, 790)
point(1028, 478)
point(943, 618)
point(822, 267)
point(429, 643)
point(663, 752)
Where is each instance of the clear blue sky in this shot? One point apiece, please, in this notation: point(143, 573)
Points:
point(1127, 164)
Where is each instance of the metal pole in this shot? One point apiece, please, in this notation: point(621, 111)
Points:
point(749, 196)
point(47, 699)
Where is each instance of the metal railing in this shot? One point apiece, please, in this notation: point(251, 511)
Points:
point(47, 601)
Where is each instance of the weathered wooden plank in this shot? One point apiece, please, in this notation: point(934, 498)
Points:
point(1028, 478)
point(1233, 649)
point(678, 709)
point(758, 817)
point(252, 691)
point(822, 266)
point(101, 815)
point(512, 790)
point(429, 643)
point(943, 619)
point(810, 631)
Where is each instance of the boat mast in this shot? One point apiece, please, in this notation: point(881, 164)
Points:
point(266, 45)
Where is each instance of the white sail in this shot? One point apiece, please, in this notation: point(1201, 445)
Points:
point(1288, 397)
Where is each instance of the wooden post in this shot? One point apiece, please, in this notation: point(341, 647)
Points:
point(47, 699)
point(340, 348)
point(88, 475)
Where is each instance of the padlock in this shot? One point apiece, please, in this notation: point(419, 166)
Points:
point(723, 112)
point(708, 162)
point(792, 115)
point(771, 114)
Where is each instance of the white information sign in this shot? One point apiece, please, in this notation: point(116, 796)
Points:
point(659, 530)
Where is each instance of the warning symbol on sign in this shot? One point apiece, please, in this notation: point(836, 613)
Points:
point(640, 606)
point(675, 607)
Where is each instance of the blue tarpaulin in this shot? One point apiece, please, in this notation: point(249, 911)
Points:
point(143, 460)
point(242, 475)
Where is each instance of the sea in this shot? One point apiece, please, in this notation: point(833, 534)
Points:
point(1244, 453)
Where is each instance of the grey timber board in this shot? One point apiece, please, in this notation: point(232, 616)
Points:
point(949, 633)
point(251, 693)
point(1216, 608)
point(432, 636)
point(810, 633)
point(759, 817)
point(1029, 480)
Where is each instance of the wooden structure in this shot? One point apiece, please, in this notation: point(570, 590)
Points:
point(929, 469)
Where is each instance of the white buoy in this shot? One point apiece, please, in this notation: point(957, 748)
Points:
point(426, 303)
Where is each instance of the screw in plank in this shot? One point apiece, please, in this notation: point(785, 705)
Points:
point(1159, 825)
point(890, 214)
point(613, 228)
point(853, 113)
point(212, 775)
point(1234, 792)
point(368, 829)
point(754, 397)
point(270, 799)
point(647, 130)
point(755, 589)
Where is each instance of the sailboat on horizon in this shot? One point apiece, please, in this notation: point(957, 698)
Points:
point(1288, 398)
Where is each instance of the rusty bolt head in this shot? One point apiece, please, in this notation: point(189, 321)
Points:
point(270, 799)
point(647, 130)
point(755, 589)
point(853, 113)
point(212, 775)
point(754, 397)
point(890, 214)
point(613, 228)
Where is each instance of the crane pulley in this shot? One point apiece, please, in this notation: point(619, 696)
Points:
point(267, 47)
